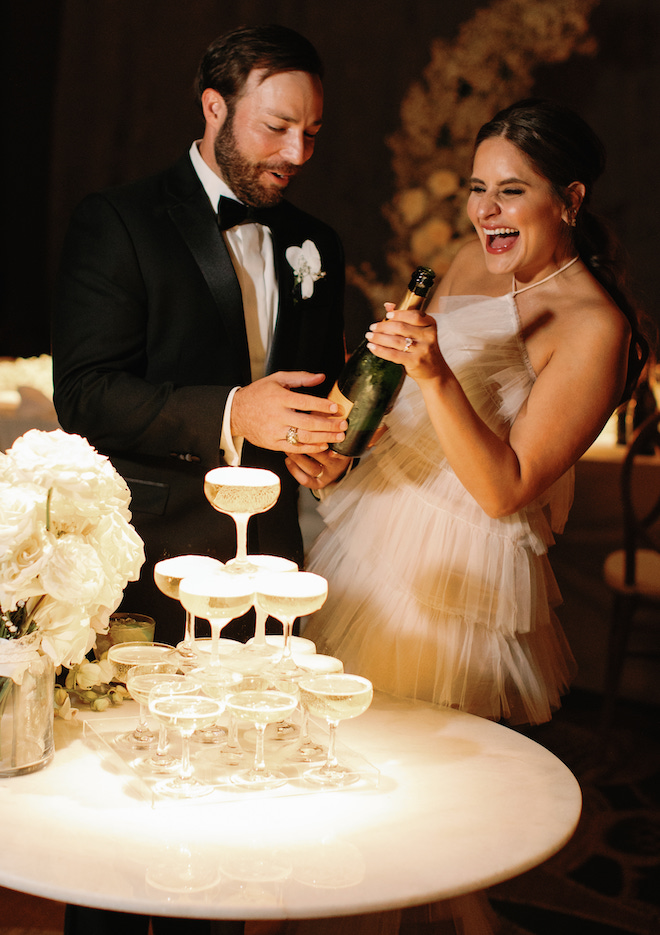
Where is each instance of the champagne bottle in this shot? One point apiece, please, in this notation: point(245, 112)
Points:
point(368, 385)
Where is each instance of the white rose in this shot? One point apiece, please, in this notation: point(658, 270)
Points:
point(120, 549)
point(25, 546)
point(22, 508)
point(66, 633)
point(74, 573)
point(69, 464)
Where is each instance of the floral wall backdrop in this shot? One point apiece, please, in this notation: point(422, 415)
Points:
point(490, 64)
point(101, 93)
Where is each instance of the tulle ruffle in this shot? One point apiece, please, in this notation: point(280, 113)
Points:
point(428, 596)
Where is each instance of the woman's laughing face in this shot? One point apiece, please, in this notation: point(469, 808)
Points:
point(519, 218)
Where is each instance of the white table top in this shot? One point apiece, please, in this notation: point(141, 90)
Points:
point(462, 804)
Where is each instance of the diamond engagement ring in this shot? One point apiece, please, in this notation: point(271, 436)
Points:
point(292, 435)
point(409, 343)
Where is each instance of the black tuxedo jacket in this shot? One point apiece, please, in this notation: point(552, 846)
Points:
point(148, 339)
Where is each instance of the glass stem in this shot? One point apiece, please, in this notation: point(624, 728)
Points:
point(162, 741)
point(331, 761)
point(241, 520)
point(189, 637)
point(259, 756)
point(260, 626)
point(304, 728)
point(143, 727)
point(287, 629)
point(216, 627)
point(232, 739)
point(186, 766)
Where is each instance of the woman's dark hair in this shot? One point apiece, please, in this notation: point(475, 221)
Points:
point(563, 148)
point(229, 59)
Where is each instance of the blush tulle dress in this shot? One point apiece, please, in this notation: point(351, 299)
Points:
point(429, 597)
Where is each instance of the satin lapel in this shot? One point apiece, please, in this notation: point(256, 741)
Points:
point(196, 224)
point(287, 324)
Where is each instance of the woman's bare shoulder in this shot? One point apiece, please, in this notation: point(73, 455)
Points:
point(591, 309)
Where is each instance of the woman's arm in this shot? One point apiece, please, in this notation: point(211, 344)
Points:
point(574, 394)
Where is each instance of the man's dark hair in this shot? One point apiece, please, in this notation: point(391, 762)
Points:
point(230, 58)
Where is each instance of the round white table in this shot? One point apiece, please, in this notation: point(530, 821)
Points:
point(462, 803)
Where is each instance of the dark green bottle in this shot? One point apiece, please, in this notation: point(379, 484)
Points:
point(368, 385)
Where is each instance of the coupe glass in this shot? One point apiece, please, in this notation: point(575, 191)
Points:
point(259, 645)
point(318, 664)
point(168, 574)
point(240, 492)
point(124, 656)
point(216, 682)
point(185, 713)
point(218, 598)
point(285, 731)
point(260, 708)
point(141, 681)
point(335, 698)
point(286, 597)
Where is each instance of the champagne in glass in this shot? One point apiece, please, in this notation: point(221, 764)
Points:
point(185, 713)
point(124, 657)
point(260, 708)
point(216, 682)
point(141, 681)
point(259, 645)
point(285, 597)
point(335, 698)
point(168, 575)
point(240, 492)
point(218, 598)
point(220, 683)
point(318, 664)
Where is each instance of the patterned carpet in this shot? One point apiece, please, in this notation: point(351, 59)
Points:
point(606, 881)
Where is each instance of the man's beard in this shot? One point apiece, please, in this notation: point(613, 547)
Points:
point(243, 176)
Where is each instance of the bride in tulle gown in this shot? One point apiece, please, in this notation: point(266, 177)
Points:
point(436, 543)
point(435, 546)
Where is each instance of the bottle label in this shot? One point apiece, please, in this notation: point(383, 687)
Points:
point(345, 404)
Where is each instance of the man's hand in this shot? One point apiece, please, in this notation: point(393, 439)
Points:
point(265, 413)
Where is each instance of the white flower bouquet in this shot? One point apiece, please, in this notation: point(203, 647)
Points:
point(67, 550)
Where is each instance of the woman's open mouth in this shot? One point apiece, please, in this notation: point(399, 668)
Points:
point(500, 239)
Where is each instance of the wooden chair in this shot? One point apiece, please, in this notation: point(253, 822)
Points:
point(633, 572)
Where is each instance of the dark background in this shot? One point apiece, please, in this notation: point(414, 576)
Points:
point(100, 92)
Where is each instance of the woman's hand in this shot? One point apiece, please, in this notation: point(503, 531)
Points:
point(318, 470)
point(408, 338)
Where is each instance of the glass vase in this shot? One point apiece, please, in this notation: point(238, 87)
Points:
point(26, 719)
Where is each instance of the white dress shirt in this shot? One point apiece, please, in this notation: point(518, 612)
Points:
point(251, 250)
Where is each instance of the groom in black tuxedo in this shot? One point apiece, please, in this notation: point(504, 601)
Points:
point(190, 333)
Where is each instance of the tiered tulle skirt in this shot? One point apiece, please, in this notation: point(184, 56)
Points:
point(428, 596)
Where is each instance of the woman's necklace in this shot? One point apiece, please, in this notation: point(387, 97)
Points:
point(541, 281)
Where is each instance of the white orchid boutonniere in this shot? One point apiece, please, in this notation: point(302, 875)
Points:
point(306, 264)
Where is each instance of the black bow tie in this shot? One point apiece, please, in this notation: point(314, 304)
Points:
point(231, 213)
